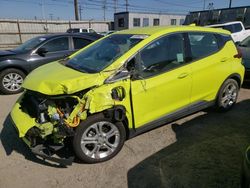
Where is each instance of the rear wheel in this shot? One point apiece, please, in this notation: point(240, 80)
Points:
point(228, 95)
point(11, 81)
point(98, 139)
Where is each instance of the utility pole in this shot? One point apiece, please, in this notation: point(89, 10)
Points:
point(115, 6)
point(104, 9)
point(230, 3)
point(126, 4)
point(76, 9)
point(80, 10)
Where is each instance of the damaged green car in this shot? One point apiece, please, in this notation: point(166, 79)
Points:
point(123, 85)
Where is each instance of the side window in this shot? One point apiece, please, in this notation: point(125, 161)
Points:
point(121, 22)
point(80, 42)
point(58, 44)
point(156, 21)
point(162, 55)
point(237, 28)
point(173, 21)
point(136, 22)
point(202, 44)
point(229, 28)
point(145, 22)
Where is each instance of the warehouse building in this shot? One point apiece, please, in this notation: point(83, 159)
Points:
point(128, 20)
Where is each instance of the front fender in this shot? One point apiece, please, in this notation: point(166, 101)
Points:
point(101, 98)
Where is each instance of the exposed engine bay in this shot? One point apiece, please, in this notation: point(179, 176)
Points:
point(53, 115)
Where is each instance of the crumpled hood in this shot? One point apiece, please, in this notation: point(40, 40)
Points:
point(56, 79)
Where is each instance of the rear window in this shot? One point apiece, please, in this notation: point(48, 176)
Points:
point(202, 44)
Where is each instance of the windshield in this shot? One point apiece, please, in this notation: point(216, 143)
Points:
point(100, 55)
point(30, 44)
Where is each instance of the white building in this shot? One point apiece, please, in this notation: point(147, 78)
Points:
point(128, 20)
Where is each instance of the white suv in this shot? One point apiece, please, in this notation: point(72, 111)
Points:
point(237, 29)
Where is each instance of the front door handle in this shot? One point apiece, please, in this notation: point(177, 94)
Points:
point(183, 75)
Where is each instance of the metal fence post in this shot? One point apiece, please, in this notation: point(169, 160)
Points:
point(19, 32)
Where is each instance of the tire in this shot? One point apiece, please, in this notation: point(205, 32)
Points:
point(11, 81)
point(91, 143)
point(227, 95)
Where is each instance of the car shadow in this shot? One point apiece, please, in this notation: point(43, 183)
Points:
point(11, 142)
point(208, 153)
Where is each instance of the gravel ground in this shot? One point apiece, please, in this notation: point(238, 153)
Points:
point(202, 150)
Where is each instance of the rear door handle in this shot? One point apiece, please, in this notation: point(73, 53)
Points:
point(224, 59)
point(183, 75)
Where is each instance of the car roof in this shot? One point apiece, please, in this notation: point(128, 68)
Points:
point(91, 36)
point(168, 29)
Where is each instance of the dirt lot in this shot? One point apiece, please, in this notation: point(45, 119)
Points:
point(203, 150)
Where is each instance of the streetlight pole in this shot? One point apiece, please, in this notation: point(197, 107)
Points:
point(230, 3)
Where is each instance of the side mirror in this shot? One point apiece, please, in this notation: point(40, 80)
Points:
point(130, 66)
point(41, 51)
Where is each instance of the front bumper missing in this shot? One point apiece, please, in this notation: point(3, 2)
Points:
point(48, 152)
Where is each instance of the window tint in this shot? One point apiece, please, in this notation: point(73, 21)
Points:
point(59, 44)
point(162, 55)
point(156, 21)
point(137, 22)
point(202, 44)
point(80, 42)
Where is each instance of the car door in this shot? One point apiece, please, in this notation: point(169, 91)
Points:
point(210, 65)
point(163, 84)
point(56, 49)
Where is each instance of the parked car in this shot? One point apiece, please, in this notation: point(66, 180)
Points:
point(17, 63)
point(244, 47)
point(239, 33)
point(80, 30)
point(125, 84)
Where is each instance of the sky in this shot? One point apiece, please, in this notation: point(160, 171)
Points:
point(93, 9)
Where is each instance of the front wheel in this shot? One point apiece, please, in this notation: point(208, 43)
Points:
point(11, 81)
point(228, 95)
point(98, 139)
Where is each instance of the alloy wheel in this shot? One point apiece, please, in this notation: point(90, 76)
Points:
point(12, 81)
point(100, 140)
